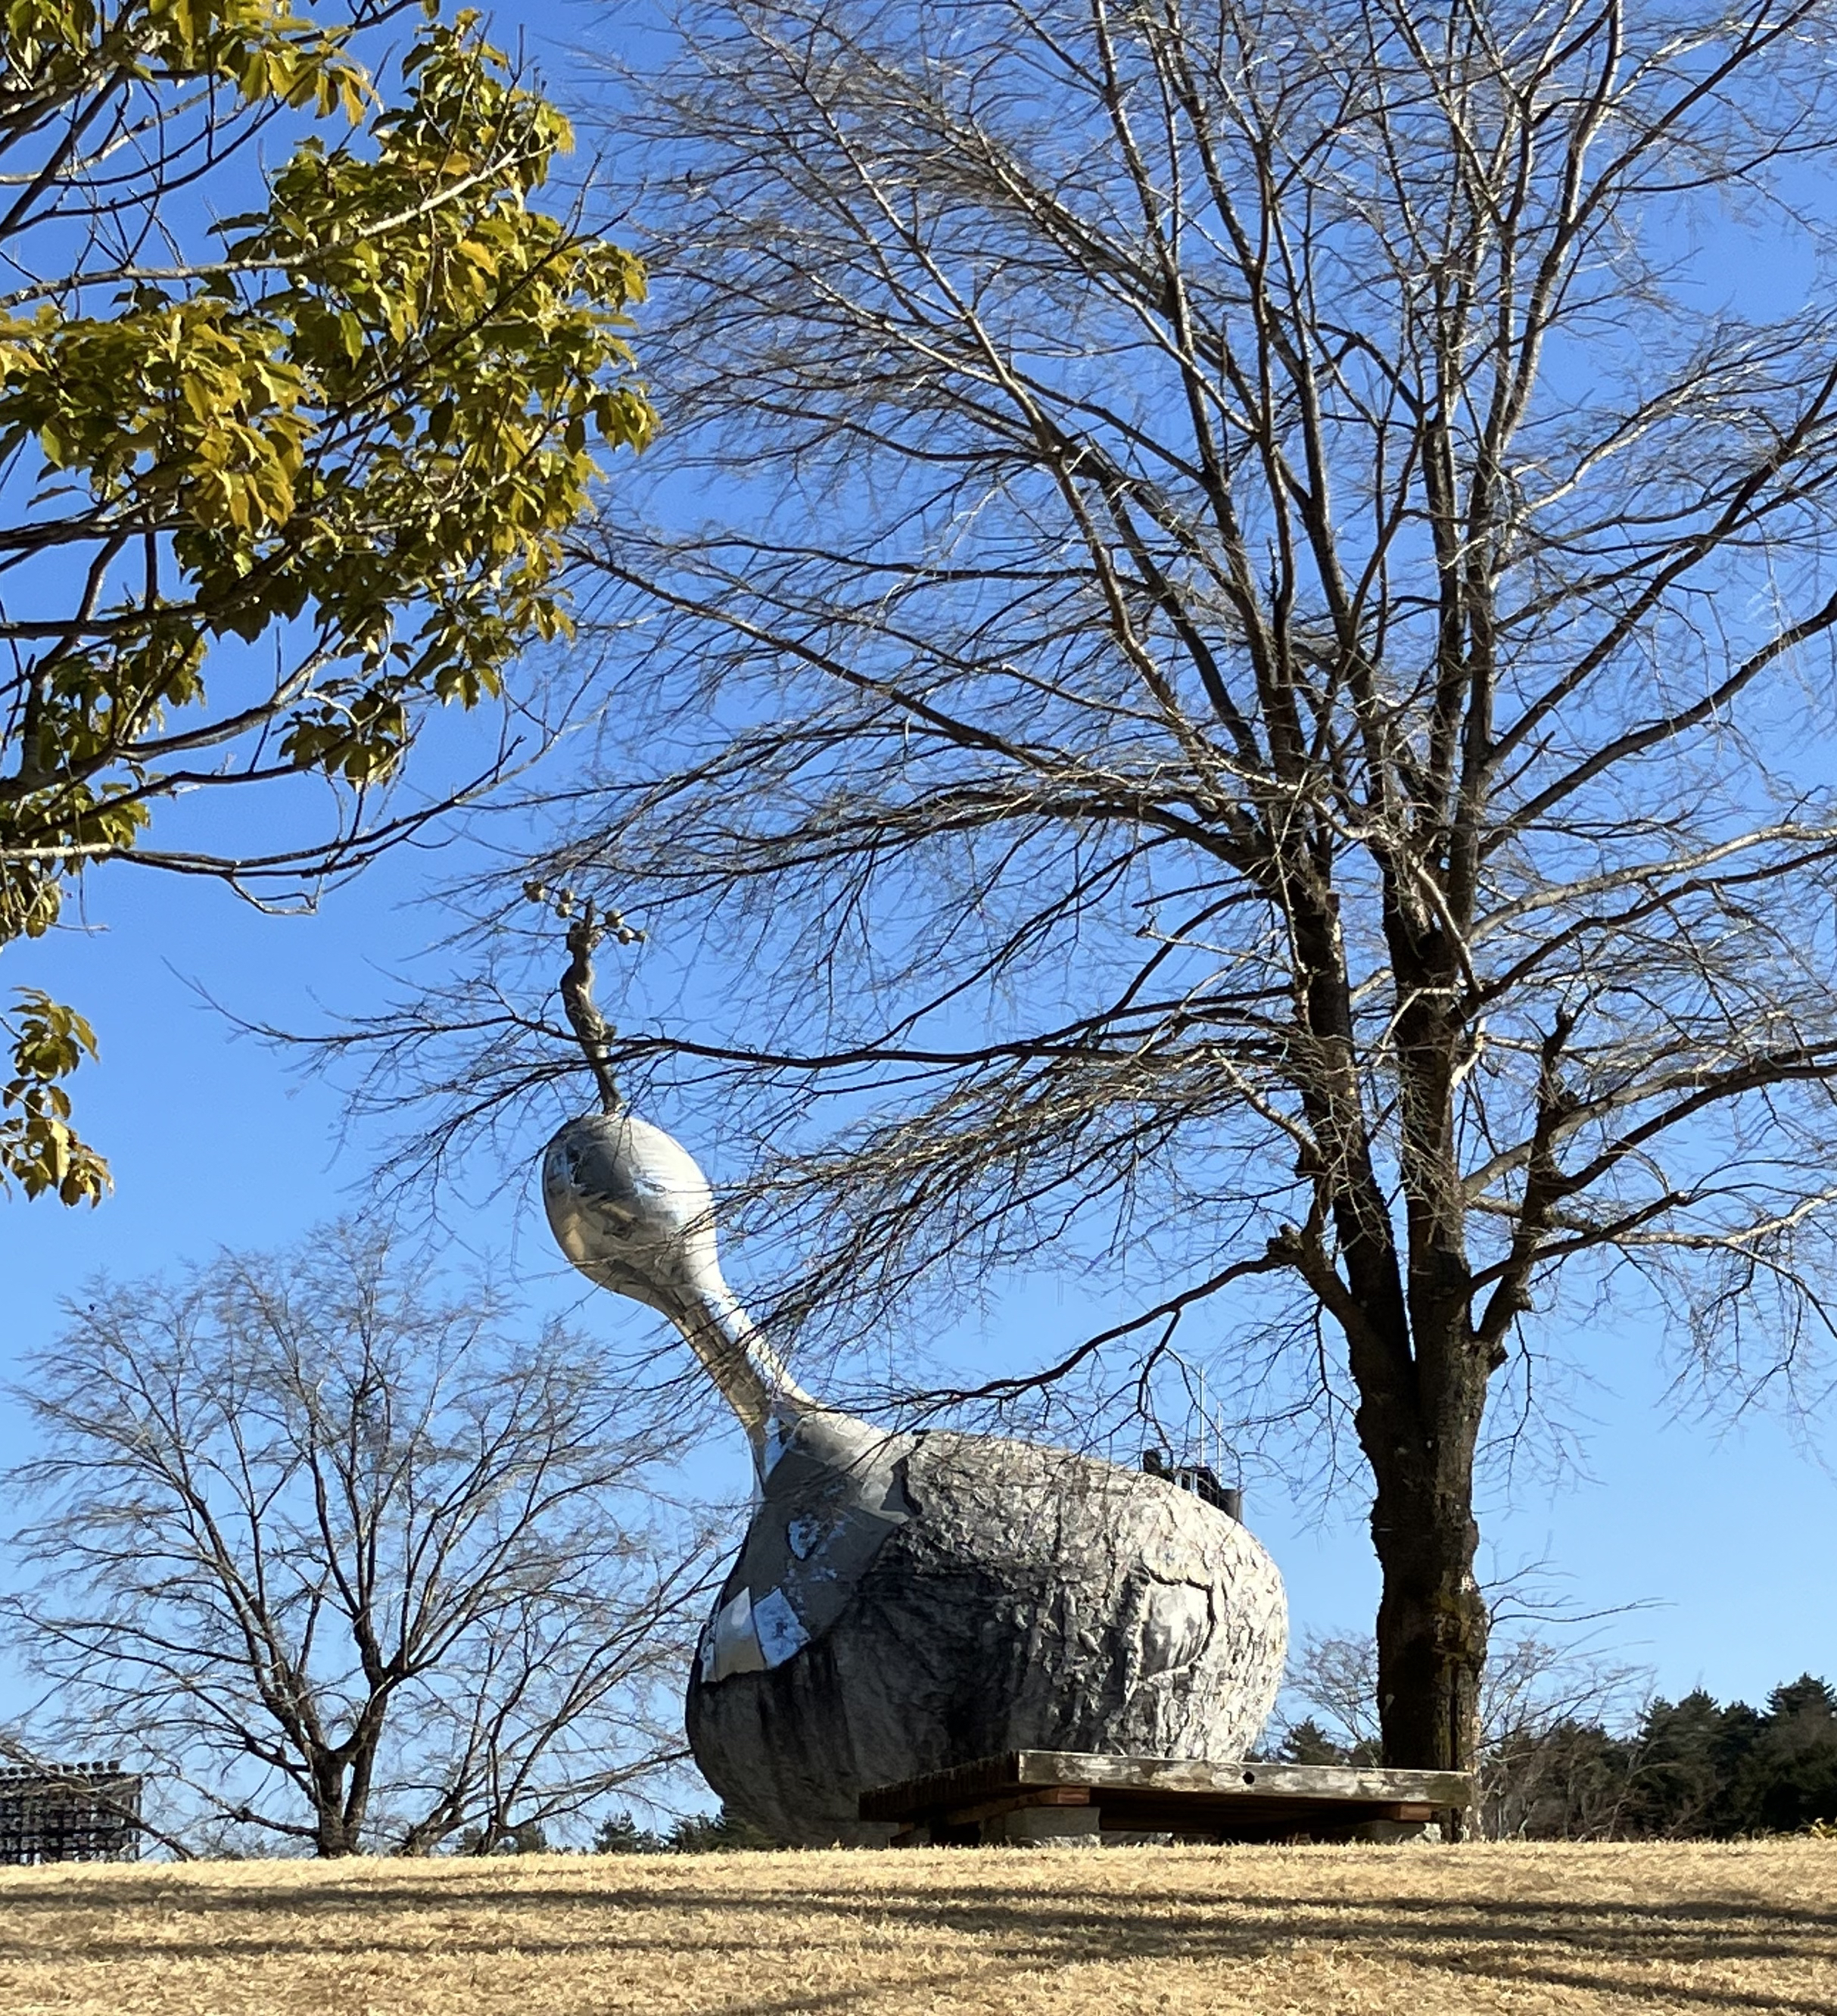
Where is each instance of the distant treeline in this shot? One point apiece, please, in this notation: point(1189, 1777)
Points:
point(1688, 1769)
point(694, 1834)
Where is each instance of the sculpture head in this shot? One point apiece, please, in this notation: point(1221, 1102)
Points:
point(629, 1205)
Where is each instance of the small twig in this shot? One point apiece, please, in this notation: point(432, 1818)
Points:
point(591, 1028)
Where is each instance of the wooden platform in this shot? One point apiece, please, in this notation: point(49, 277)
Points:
point(1042, 1794)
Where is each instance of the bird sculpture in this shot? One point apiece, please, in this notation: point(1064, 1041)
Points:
point(907, 1600)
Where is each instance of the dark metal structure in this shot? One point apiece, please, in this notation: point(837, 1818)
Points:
point(69, 1813)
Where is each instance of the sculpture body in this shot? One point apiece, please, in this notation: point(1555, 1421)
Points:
point(1023, 1599)
point(903, 1602)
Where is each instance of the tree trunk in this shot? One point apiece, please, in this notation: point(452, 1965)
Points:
point(333, 1835)
point(338, 1817)
point(1432, 1620)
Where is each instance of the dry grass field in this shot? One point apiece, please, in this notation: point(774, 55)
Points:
point(1698, 1928)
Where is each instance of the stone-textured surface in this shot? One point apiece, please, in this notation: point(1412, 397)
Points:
point(1028, 1598)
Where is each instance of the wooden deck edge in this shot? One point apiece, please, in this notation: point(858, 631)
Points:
point(1243, 1784)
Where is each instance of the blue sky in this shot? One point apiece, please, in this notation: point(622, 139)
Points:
point(1723, 1529)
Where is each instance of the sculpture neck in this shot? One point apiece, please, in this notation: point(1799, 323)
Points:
point(630, 1209)
point(750, 1376)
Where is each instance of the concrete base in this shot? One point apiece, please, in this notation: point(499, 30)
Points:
point(1395, 1830)
point(1046, 1827)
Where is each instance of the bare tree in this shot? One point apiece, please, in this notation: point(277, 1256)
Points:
point(1253, 697)
point(1332, 1680)
point(354, 1564)
point(1549, 1711)
point(1547, 1700)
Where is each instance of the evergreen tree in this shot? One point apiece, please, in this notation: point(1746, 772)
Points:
point(1786, 1776)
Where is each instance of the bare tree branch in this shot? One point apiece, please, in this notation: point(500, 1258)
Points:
point(353, 1564)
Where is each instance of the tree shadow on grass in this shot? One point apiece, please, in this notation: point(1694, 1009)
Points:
point(1611, 1950)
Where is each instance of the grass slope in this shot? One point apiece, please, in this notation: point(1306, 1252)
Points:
point(1747, 1929)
